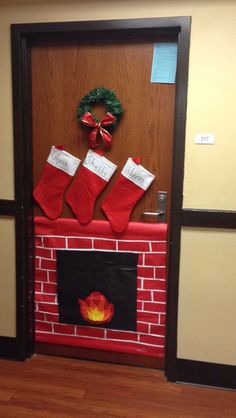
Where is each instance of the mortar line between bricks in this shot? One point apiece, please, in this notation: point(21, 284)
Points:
point(47, 313)
point(141, 288)
point(123, 331)
point(99, 238)
point(40, 247)
point(148, 301)
point(45, 258)
point(107, 250)
point(49, 303)
point(76, 336)
point(147, 278)
point(150, 312)
point(49, 322)
point(40, 322)
point(151, 278)
point(45, 294)
point(147, 266)
point(101, 250)
point(97, 338)
point(142, 304)
point(145, 334)
point(56, 248)
point(137, 333)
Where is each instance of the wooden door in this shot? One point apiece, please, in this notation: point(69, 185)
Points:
point(62, 73)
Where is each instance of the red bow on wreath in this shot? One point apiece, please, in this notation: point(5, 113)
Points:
point(88, 120)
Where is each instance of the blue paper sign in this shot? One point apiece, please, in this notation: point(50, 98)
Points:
point(164, 62)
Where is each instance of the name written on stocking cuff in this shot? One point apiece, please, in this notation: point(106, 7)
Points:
point(137, 174)
point(63, 161)
point(99, 165)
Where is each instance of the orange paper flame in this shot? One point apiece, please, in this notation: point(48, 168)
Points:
point(96, 309)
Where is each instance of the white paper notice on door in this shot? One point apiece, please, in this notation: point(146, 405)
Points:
point(164, 62)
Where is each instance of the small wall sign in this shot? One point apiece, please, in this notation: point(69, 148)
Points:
point(205, 139)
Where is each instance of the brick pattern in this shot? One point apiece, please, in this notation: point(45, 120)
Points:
point(151, 296)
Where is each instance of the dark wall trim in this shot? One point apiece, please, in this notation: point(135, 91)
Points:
point(8, 347)
point(60, 30)
point(177, 199)
point(21, 80)
point(209, 218)
point(207, 374)
point(7, 207)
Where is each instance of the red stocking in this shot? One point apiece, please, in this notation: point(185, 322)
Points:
point(89, 183)
point(130, 186)
point(57, 174)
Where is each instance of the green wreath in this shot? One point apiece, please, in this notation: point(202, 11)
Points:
point(101, 95)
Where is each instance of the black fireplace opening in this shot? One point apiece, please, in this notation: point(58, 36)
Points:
point(97, 288)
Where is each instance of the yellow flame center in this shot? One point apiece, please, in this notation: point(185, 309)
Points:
point(95, 315)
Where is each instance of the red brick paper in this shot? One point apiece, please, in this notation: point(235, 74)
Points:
point(146, 240)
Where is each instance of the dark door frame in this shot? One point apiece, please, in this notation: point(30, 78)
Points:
point(22, 37)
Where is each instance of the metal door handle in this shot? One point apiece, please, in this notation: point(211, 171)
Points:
point(158, 213)
point(161, 207)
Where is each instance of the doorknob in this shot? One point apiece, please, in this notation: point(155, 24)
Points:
point(161, 207)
